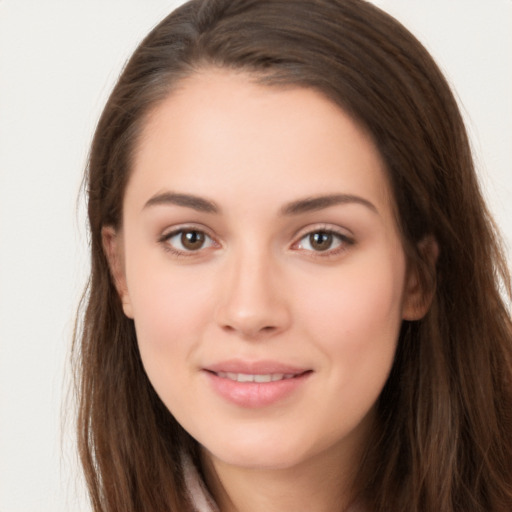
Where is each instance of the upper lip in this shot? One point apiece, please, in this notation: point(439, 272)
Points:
point(263, 367)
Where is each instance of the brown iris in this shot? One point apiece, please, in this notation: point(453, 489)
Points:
point(320, 240)
point(192, 240)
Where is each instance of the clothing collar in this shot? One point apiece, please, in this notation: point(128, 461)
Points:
point(198, 494)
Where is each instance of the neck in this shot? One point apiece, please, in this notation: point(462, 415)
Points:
point(319, 484)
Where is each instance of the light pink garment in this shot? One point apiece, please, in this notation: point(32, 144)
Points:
point(197, 492)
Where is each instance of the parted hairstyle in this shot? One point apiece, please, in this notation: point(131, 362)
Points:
point(442, 440)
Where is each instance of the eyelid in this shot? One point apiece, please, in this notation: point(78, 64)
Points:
point(322, 226)
point(192, 226)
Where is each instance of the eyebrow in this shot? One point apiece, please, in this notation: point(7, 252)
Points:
point(311, 204)
point(187, 200)
point(308, 204)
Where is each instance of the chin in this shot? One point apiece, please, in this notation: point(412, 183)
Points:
point(262, 453)
point(259, 460)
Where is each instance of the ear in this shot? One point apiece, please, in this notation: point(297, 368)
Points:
point(113, 249)
point(420, 284)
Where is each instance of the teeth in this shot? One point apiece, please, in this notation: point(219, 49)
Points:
point(262, 378)
point(249, 377)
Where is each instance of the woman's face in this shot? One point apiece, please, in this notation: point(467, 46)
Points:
point(261, 262)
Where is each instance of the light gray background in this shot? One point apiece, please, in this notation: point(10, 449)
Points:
point(58, 61)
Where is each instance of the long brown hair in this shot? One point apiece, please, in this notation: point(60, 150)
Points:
point(443, 437)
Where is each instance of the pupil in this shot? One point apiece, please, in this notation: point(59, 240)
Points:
point(321, 241)
point(192, 239)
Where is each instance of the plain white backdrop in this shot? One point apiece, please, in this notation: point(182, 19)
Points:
point(58, 62)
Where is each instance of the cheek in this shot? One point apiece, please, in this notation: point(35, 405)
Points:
point(169, 314)
point(355, 319)
point(355, 325)
point(168, 306)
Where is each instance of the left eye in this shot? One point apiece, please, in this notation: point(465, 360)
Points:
point(321, 241)
point(189, 240)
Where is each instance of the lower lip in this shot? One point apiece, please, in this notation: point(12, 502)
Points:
point(256, 394)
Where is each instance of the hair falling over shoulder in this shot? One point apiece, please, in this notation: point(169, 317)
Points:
point(443, 436)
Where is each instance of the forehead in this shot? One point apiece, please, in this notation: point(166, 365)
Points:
point(221, 132)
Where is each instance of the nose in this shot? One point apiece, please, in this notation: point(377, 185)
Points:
point(253, 300)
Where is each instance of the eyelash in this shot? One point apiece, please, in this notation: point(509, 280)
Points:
point(343, 241)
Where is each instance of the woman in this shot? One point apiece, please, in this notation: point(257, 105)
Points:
point(295, 289)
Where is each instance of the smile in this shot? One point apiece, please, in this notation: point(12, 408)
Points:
point(248, 377)
point(254, 385)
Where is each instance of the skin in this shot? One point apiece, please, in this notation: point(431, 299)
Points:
point(258, 288)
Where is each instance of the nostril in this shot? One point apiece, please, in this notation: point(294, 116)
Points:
point(250, 330)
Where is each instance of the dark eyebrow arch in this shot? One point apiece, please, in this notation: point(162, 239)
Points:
point(187, 200)
point(311, 204)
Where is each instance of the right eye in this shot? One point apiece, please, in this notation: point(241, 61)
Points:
point(187, 240)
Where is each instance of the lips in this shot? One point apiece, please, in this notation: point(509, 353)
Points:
point(255, 384)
